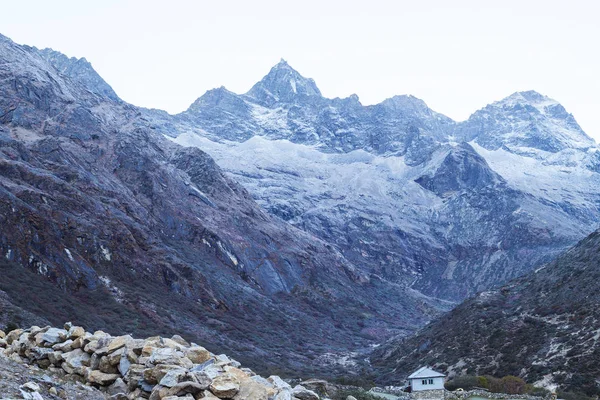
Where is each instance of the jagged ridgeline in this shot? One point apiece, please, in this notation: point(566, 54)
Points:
point(406, 193)
point(544, 327)
point(284, 227)
point(98, 203)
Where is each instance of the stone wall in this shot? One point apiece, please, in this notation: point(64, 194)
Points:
point(437, 394)
point(154, 368)
point(489, 395)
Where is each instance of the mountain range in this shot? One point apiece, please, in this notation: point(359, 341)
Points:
point(279, 225)
point(446, 208)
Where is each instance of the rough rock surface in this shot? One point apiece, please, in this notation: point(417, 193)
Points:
point(159, 369)
point(14, 375)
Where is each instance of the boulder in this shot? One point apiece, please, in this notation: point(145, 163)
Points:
point(74, 360)
point(278, 383)
point(76, 332)
point(53, 336)
point(185, 388)
point(204, 365)
point(180, 340)
point(302, 393)
point(95, 361)
point(169, 355)
point(31, 387)
point(134, 375)
point(212, 371)
point(251, 390)
point(78, 343)
point(56, 357)
point(2, 334)
point(197, 354)
point(102, 379)
point(224, 386)
point(119, 386)
point(174, 376)
point(284, 395)
point(39, 353)
point(155, 374)
point(115, 357)
point(118, 343)
point(106, 366)
point(201, 378)
point(124, 364)
point(13, 335)
point(316, 385)
point(65, 346)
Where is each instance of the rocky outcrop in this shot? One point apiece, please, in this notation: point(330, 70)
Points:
point(123, 367)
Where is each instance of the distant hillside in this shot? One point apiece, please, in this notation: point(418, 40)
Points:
point(542, 327)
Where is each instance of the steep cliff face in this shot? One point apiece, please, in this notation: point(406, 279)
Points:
point(543, 326)
point(92, 198)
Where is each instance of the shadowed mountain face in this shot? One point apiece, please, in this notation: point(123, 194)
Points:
point(96, 201)
point(543, 326)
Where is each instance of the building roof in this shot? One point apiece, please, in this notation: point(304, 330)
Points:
point(425, 372)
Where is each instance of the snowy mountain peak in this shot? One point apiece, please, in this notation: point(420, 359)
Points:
point(218, 97)
point(405, 102)
point(530, 97)
point(282, 64)
point(283, 84)
point(525, 120)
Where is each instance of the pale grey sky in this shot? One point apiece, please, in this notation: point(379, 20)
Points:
point(456, 55)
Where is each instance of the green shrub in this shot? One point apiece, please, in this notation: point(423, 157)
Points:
point(466, 382)
point(513, 385)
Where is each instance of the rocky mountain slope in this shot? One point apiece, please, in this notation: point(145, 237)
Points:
point(98, 202)
point(405, 193)
point(544, 327)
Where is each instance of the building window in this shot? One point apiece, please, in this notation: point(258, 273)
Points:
point(424, 382)
point(431, 381)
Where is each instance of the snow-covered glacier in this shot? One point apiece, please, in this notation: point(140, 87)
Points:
point(409, 195)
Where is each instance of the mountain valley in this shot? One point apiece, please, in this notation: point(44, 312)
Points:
point(293, 231)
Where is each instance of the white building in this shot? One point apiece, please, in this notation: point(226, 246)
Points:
point(426, 379)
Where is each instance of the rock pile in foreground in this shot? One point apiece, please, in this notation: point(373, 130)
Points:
point(153, 368)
